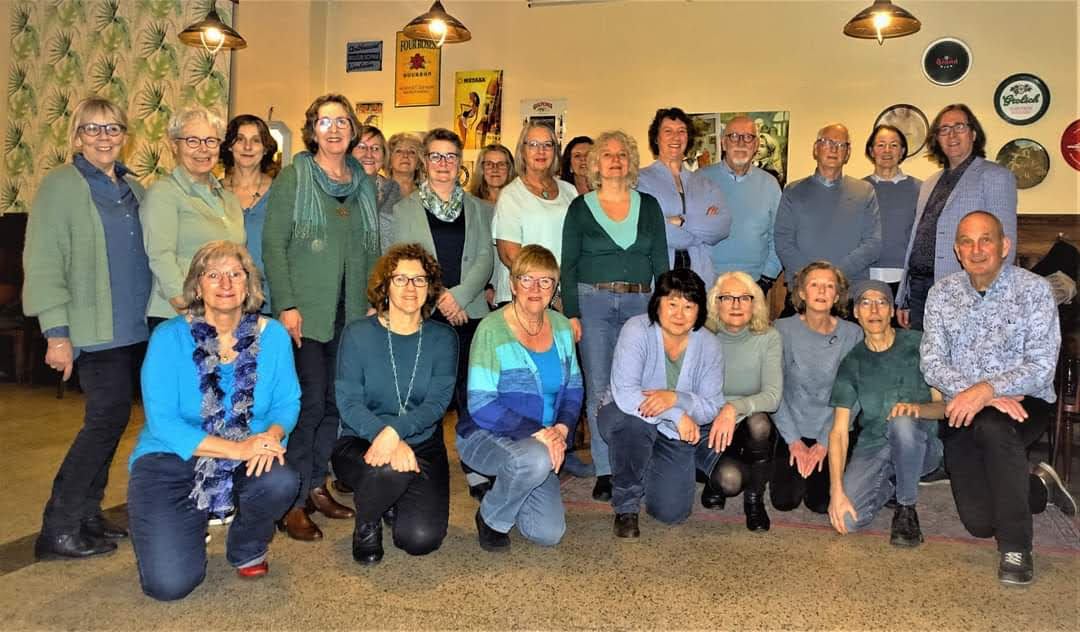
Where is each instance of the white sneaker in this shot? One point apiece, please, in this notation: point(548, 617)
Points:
point(217, 521)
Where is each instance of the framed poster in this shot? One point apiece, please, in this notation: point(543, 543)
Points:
point(1022, 99)
point(1027, 159)
point(911, 121)
point(369, 113)
point(946, 61)
point(773, 130)
point(417, 68)
point(549, 111)
point(478, 107)
point(706, 149)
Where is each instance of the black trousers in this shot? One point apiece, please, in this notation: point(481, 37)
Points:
point(465, 332)
point(312, 439)
point(422, 500)
point(987, 462)
point(108, 381)
point(789, 488)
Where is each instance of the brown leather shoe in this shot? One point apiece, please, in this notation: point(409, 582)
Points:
point(299, 526)
point(321, 500)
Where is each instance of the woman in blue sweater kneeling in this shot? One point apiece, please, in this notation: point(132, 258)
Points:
point(667, 381)
point(525, 394)
point(220, 395)
point(395, 377)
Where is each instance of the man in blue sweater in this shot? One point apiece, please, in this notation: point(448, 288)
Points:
point(752, 195)
point(829, 216)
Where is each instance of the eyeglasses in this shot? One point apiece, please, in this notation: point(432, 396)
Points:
point(491, 165)
point(401, 280)
point(369, 149)
point(833, 144)
point(744, 139)
point(217, 276)
point(527, 281)
point(341, 122)
point(729, 299)
point(867, 303)
point(94, 129)
point(194, 141)
point(439, 157)
point(955, 128)
point(540, 145)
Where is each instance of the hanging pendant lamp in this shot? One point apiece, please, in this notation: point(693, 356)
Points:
point(437, 26)
point(212, 34)
point(881, 21)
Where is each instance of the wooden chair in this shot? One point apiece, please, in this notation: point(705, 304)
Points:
point(1068, 413)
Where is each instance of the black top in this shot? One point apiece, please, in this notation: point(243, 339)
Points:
point(449, 238)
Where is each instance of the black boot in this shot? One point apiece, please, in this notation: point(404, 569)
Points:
point(905, 527)
point(491, 540)
point(367, 543)
point(626, 525)
point(70, 546)
point(712, 498)
point(757, 518)
point(103, 529)
point(602, 490)
point(389, 516)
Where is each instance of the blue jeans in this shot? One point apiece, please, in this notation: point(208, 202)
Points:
point(603, 313)
point(912, 450)
point(168, 531)
point(526, 490)
point(647, 464)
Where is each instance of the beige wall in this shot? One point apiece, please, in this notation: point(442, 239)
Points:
point(715, 56)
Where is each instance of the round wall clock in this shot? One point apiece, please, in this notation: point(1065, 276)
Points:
point(1022, 99)
point(1027, 159)
point(908, 119)
point(946, 61)
point(1070, 144)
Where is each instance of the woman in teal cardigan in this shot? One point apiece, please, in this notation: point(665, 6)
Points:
point(87, 282)
point(456, 227)
point(186, 209)
point(320, 241)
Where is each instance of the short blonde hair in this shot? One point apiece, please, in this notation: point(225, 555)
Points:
point(840, 306)
point(759, 309)
point(89, 107)
point(402, 139)
point(533, 257)
point(519, 149)
point(216, 251)
point(598, 146)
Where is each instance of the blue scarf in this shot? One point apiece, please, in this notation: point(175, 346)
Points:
point(309, 216)
point(213, 476)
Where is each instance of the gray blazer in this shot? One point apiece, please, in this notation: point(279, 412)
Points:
point(477, 258)
point(985, 186)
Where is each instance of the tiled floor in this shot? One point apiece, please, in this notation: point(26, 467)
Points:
point(705, 574)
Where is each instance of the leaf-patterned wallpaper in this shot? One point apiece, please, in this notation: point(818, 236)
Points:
point(125, 50)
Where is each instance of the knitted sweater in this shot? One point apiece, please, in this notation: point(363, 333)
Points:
point(506, 396)
point(753, 370)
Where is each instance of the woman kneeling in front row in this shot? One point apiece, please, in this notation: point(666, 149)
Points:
point(395, 377)
point(220, 395)
point(525, 394)
point(667, 380)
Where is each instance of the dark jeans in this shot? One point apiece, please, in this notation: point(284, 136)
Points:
point(422, 500)
point(645, 463)
point(987, 462)
point(312, 440)
point(108, 383)
point(918, 289)
point(460, 400)
point(168, 531)
point(789, 488)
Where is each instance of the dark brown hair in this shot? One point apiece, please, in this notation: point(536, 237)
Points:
point(675, 114)
point(268, 165)
point(378, 283)
point(933, 146)
point(312, 114)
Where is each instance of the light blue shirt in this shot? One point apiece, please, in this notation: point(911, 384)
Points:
point(254, 219)
point(550, 367)
point(753, 199)
point(623, 233)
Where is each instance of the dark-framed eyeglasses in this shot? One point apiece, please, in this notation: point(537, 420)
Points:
point(401, 280)
point(527, 281)
point(193, 142)
point(493, 165)
point(955, 128)
point(449, 158)
point(95, 129)
point(732, 299)
point(744, 139)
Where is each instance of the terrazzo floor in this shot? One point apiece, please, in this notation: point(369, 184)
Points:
point(708, 573)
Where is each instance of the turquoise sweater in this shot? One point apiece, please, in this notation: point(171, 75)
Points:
point(172, 400)
point(506, 396)
point(67, 269)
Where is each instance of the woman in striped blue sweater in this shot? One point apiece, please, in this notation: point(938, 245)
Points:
point(525, 394)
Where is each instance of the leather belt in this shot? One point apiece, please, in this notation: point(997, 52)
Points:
point(623, 287)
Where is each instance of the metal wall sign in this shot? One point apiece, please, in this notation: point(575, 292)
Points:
point(363, 56)
point(1022, 99)
point(946, 61)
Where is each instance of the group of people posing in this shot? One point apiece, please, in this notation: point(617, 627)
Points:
point(325, 317)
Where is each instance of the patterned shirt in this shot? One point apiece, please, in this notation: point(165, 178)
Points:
point(1007, 336)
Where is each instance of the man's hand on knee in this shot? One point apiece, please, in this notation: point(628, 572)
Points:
point(967, 403)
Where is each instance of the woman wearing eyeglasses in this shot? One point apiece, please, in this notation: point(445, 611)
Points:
point(88, 282)
point(371, 152)
point(525, 394)
point(739, 455)
point(494, 170)
point(394, 382)
point(456, 227)
point(320, 241)
point(186, 209)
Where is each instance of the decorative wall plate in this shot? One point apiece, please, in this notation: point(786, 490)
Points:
point(946, 61)
point(1022, 99)
point(1070, 144)
point(1027, 159)
point(911, 121)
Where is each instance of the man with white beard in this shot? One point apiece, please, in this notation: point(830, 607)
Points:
point(752, 195)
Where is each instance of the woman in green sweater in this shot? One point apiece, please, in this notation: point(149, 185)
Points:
point(614, 247)
point(320, 241)
point(739, 450)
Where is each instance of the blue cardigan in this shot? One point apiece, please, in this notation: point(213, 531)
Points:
point(173, 403)
point(505, 392)
point(640, 365)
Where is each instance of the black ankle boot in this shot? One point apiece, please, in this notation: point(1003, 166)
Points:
point(367, 543)
point(602, 490)
point(712, 498)
point(757, 519)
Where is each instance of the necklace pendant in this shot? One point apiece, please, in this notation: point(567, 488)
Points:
point(342, 211)
point(317, 245)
